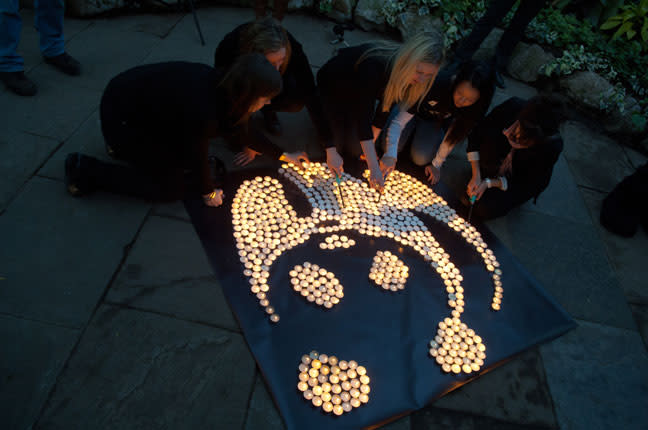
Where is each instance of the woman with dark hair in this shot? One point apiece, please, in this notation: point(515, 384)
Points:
point(512, 154)
point(457, 101)
point(280, 48)
point(160, 117)
point(351, 84)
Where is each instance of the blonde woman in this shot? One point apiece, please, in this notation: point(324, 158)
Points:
point(352, 82)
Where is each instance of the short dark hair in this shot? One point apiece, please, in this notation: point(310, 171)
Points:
point(249, 78)
point(538, 120)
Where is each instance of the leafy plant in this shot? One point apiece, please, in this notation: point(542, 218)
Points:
point(325, 6)
point(632, 21)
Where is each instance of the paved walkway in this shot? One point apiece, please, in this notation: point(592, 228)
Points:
point(110, 316)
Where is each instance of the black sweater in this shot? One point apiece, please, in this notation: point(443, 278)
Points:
point(532, 167)
point(177, 107)
point(353, 89)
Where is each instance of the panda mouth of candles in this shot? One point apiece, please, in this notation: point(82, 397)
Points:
point(265, 226)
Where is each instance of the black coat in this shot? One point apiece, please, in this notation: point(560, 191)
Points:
point(532, 167)
point(166, 113)
point(353, 89)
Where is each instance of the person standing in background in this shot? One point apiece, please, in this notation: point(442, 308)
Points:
point(48, 20)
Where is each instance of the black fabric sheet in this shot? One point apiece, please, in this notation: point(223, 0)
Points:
point(387, 332)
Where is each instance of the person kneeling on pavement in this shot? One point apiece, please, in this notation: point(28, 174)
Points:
point(159, 118)
point(512, 154)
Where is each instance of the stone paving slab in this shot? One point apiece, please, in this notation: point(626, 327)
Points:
point(21, 154)
point(62, 251)
point(33, 354)
point(55, 112)
point(627, 255)
point(562, 197)
point(596, 161)
point(570, 262)
point(598, 377)
point(515, 392)
point(136, 369)
point(171, 210)
point(167, 271)
point(636, 159)
point(436, 418)
point(102, 55)
point(87, 139)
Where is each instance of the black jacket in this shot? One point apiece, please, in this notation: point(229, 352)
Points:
point(532, 167)
point(170, 111)
point(355, 89)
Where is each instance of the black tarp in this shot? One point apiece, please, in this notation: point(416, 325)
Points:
point(387, 332)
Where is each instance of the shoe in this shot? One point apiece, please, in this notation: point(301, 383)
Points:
point(76, 181)
point(18, 83)
point(65, 63)
point(272, 124)
point(499, 79)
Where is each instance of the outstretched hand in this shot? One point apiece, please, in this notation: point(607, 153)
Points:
point(433, 173)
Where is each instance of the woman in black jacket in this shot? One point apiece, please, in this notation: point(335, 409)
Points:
point(457, 101)
point(512, 154)
point(351, 83)
point(160, 117)
point(282, 50)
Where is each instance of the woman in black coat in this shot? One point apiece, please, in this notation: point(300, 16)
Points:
point(358, 78)
point(282, 50)
point(160, 117)
point(512, 154)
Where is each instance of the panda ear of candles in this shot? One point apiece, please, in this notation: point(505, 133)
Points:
point(266, 225)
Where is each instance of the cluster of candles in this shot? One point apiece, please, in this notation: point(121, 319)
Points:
point(316, 284)
point(334, 385)
point(456, 348)
point(388, 271)
point(335, 241)
point(266, 225)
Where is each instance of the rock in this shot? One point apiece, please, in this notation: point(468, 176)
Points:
point(81, 8)
point(487, 49)
point(526, 62)
point(368, 16)
point(410, 23)
point(341, 10)
point(587, 88)
point(300, 4)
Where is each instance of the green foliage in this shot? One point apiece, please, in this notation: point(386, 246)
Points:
point(325, 6)
point(631, 22)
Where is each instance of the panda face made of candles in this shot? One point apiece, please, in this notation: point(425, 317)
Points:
point(266, 225)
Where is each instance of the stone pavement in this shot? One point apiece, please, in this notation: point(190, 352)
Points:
point(110, 316)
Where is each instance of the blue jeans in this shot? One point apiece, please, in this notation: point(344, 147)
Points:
point(426, 136)
point(48, 20)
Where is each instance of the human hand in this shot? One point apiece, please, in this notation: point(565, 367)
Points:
point(214, 199)
point(245, 157)
point(376, 179)
point(334, 161)
point(296, 158)
point(433, 173)
point(474, 184)
point(479, 191)
point(387, 165)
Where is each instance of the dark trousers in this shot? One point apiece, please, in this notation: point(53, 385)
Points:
point(153, 172)
point(495, 12)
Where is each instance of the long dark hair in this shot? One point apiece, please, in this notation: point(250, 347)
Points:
point(249, 78)
point(539, 119)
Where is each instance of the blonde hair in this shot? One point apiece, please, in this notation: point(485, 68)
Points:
point(424, 47)
point(265, 36)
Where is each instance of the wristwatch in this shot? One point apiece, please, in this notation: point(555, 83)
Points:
point(489, 183)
